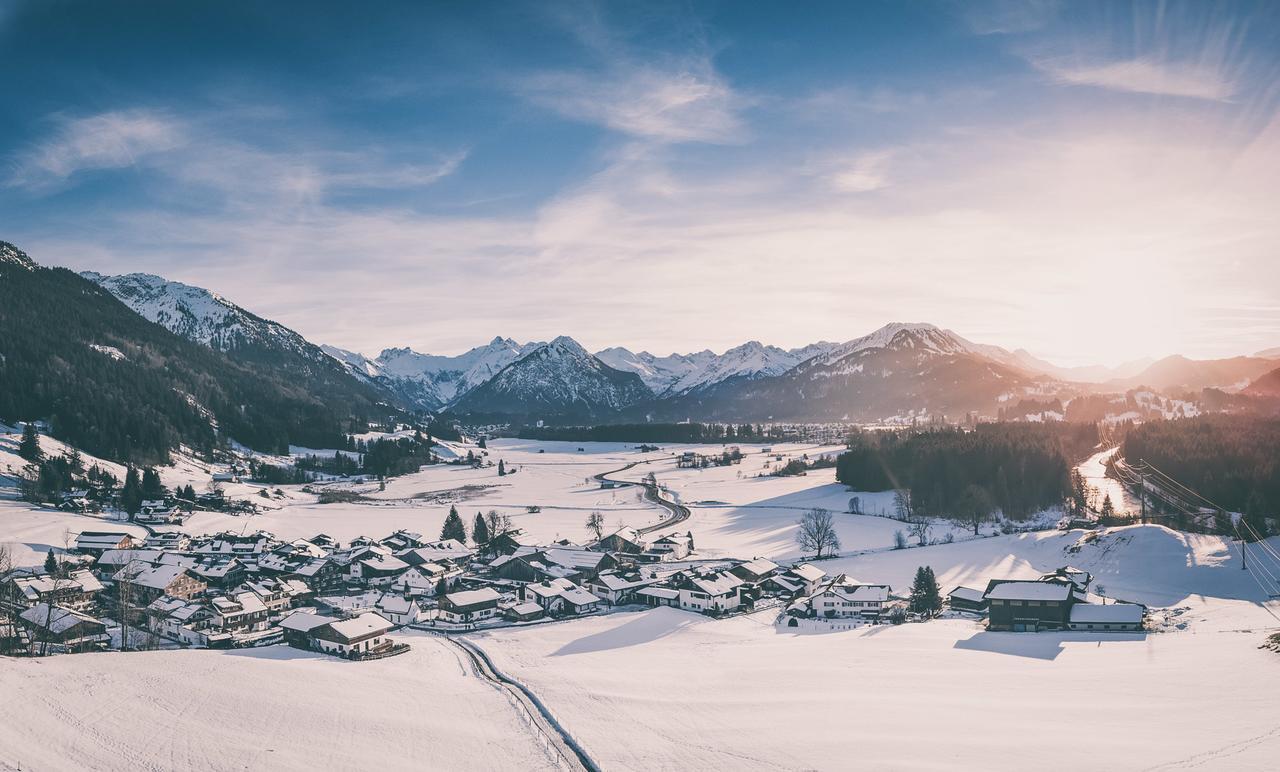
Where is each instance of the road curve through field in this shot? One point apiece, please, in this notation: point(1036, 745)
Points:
point(679, 512)
point(558, 738)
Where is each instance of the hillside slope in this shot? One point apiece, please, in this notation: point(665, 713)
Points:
point(119, 386)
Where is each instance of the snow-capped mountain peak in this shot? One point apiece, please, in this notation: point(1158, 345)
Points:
point(433, 381)
point(198, 314)
point(14, 256)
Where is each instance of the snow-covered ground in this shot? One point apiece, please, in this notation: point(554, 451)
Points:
point(272, 708)
point(665, 689)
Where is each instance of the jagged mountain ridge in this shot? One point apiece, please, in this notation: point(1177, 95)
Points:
point(897, 370)
point(433, 382)
point(558, 380)
point(684, 373)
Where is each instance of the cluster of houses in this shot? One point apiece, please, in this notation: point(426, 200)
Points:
point(1059, 600)
point(248, 589)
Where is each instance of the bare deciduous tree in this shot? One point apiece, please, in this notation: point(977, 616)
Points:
point(595, 524)
point(818, 533)
point(919, 528)
point(498, 523)
point(903, 504)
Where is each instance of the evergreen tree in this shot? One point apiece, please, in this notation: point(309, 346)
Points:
point(1253, 524)
point(926, 597)
point(480, 530)
point(454, 527)
point(1108, 509)
point(502, 468)
point(152, 488)
point(50, 563)
point(131, 494)
point(29, 445)
point(442, 587)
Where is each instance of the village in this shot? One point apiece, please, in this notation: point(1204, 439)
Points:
point(554, 571)
point(227, 590)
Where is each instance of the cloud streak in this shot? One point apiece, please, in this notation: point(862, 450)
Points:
point(110, 140)
point(1146, 76)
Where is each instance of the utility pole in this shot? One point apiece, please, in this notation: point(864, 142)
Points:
point(1142, 493)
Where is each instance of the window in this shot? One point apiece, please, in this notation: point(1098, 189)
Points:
point(1033, 603)
point(1015, 603)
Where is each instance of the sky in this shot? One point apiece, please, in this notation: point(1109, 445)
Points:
point(1094, 182)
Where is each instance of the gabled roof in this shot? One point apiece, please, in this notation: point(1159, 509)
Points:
point(1112, 613)
point(368, 623)
point(1020, 590)
point(967, 593)
point(473, 597)
point(59, 619)
point(156, 576)
point(758, 566)
point(808, 572)
point(305, 621)
point(578, 596)
point(574, 558)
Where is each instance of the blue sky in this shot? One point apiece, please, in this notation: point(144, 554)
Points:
point(1093, 182)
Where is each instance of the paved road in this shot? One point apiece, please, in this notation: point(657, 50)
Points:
point(678, 512)
point(570, 753)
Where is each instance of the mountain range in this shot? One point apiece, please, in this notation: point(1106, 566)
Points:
point(900, 370)
point(110, 381)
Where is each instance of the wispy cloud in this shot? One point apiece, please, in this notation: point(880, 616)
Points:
point(109, 140)
point(1008, 17)
point(865, 173)
point(193, 152)
point(1146, 76)
point(687, 102)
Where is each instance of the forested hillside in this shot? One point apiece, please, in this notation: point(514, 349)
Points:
point(1233, 460)
point(1019, 468)
point(119, 386)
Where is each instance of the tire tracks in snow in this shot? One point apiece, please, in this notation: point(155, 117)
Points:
point(570, 753)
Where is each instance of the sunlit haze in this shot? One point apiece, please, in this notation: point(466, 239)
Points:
point(1091, 182)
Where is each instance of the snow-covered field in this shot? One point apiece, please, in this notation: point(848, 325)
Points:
point(669, 690)
point(665, 689)
point(272, 708)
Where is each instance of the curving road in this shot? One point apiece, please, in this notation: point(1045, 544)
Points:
point(679, 512)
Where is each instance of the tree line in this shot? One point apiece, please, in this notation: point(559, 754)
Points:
point(650, 432)
point(1017, 468)
point(118, 386)
point(1232, 460)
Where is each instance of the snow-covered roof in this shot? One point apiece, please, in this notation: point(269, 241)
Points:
point(1112, 613)
point(548, 588)
point(860, 592)
point(473, 597)
point(966, 593)
point(394, 604)
point(101, 539)
point(32, 587)
point(808, 572)
point(1028, 591)
point(59, 619)
point(612, 581)
point(156, 577)
point(525, 608)
point(579, 596)
point(368, 623)
point(719, 584)
point(659, 592)
point(759, 566)
point(574, 558)
point(305, 621)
